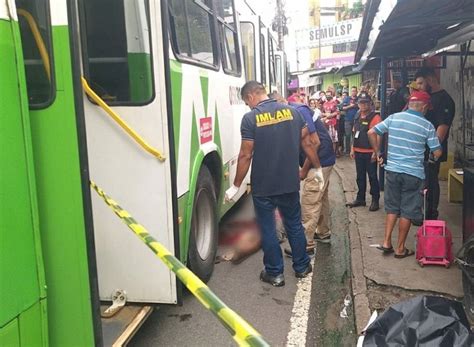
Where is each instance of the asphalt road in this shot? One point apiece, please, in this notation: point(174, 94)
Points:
point(266, 308)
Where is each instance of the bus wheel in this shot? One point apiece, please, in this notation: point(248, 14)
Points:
point(468, 285)
point(203, 233)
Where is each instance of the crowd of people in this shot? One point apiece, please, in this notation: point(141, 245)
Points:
point(292, 145)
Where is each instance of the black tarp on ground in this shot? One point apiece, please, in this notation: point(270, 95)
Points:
point(422, 321)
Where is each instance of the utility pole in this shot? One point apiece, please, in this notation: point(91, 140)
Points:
point(281, 21)
point(279, 24)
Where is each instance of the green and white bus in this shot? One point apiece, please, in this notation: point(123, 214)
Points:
point(169, 74)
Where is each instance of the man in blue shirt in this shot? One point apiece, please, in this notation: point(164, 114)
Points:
point(315, 212)
point(408, 134)
point(272, 134)
point(350, 106)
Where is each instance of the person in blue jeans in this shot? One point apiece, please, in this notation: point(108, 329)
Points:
point(272, 134)
point(350, 106)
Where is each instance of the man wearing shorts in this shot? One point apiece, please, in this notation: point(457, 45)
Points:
point(408, 134)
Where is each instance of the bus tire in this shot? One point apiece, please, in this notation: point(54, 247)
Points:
point(204, 227)
point(468, 286)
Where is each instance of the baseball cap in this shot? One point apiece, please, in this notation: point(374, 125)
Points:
point(420, 96)
point(364, 97)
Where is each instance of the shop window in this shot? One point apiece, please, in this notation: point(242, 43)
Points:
point(353, 46)
point(339, 48)
point(344, 47)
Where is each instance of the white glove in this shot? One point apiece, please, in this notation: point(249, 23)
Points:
point(318, 176)
point(231, 193)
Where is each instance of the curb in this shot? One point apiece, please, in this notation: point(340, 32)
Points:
point(359, 284)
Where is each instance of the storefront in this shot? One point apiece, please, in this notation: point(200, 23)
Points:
point(396, 31)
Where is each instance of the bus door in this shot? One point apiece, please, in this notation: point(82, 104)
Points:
point(272, 45)
point(264, 66)
point(123, 62)
point(280, 72)
point(249, 30)
point(23, 286)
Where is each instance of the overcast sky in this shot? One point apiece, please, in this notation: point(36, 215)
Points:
point(265, 8)
point(297, 13)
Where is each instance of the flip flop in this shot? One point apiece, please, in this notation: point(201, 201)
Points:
point(405, 254)
point(385, 250)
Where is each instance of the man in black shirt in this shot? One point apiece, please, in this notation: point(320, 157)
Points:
point(399, 97)
point(441, 116)
point(272, 134)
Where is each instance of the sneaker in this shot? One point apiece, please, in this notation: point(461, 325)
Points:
point(311, 251)
point(305, 273)
point(276, 281)
point(322, 239)
point(356, 203)
point(374, 206)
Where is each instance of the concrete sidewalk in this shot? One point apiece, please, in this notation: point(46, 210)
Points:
point(378, 280)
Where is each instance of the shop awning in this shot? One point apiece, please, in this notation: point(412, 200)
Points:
point(400, 28)
point(309, 79)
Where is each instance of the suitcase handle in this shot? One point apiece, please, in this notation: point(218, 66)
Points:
point(424, 215)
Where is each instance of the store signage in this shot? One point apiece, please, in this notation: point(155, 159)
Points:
point(328, 35)
point(334, 61)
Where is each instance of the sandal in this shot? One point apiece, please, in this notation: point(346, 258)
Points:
point(405, 254)
point(385, 250)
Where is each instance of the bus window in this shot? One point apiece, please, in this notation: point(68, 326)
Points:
point(263, 57)
point(247, 31)
point(35, 29)
point(116, 49)
point(192, 30)
point(271, 62)
point(229, 39)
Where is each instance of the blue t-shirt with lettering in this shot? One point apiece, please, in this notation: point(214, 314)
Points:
point(275, 129)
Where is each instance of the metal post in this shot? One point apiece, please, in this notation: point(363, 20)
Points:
point(404, 73)
point(383, 105)
point(280, 19)
point(462, 59)
point(297, 59)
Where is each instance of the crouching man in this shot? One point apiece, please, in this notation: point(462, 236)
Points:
point(408, 134)
point(315, 212)
point(272, 134)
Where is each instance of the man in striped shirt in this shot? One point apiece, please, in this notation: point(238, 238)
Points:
point(408, 134)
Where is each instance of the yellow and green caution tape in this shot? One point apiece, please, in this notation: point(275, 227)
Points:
point(242, 332)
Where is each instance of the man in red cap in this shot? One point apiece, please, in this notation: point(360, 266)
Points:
point(408, 135)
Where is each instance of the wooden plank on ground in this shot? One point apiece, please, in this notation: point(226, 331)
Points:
point(117, 331)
